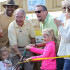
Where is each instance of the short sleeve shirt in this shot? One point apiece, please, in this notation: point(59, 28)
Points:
point(20, 36)
point(4, 23)
point(49, 23)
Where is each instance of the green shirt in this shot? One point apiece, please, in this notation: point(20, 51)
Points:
point(49, 23)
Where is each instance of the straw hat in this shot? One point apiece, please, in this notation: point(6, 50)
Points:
point(10, 3)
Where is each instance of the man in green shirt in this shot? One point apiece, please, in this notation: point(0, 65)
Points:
point(46, 20)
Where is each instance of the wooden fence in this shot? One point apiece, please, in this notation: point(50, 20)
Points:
point(52, 5)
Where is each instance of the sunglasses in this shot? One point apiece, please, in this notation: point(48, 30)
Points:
point(39, 11)
point(66, 7)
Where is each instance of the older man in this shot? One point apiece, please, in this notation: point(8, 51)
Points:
point(20, 33)
point(5, 19)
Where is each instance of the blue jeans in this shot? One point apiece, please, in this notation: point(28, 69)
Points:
point(66, 64)
point(60, 63)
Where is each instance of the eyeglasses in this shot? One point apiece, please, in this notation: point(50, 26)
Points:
point(39, 11)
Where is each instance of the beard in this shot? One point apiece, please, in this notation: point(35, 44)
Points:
point(9, 13)
point(39, 19)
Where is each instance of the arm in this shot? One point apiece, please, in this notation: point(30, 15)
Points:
point(38, 45)
point(32, 36)
point(32, 33)
point(41, 44)
point(36, 50)
point(65, 33)
point(32, 40)
point(1, 33)
point(16, 50)
point(13, 41)
point(9, 65)
point(47, 51)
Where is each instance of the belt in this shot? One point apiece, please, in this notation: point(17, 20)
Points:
point(21, 47)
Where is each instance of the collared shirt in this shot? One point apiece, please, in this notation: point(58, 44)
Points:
point(4, 23)
point(49, 23)
point(20, 36)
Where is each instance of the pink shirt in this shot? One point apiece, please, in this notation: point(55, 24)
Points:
point(48, 51)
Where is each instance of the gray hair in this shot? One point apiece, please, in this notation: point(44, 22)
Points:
point(20, 9)
point(43, 6)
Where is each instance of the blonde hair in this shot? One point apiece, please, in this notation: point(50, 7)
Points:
point(3, 49)
point(50, 32)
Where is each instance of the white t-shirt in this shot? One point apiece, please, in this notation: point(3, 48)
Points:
point(2, 66)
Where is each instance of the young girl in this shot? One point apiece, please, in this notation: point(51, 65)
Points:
point(5, 64)
point(48, 51)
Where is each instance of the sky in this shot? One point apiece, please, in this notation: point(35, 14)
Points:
point(2, 0)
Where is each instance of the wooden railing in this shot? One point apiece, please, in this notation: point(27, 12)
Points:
point(52, 5)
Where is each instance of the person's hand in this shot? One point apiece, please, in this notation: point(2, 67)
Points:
point(57, 22)
point(9, 65)
point(33, 45)
point(19, 55)
point(28, 47)
point(1, 33)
